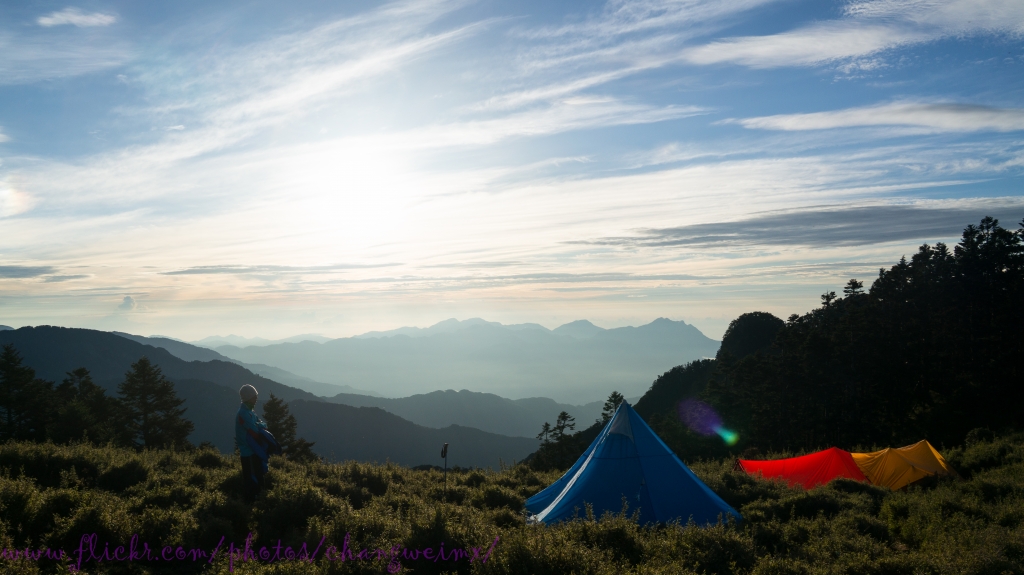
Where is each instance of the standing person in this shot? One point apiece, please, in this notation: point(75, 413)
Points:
point(255, 444)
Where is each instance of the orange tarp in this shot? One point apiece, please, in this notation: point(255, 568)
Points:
point(898, 467)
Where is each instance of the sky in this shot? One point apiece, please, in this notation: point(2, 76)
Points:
point(272, 168)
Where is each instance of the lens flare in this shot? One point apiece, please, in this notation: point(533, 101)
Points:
point(700, 418)
point(730, 437)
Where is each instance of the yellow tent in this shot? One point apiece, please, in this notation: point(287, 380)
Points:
point(898, 467)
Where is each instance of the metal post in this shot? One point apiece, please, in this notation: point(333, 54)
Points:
point(444, 454)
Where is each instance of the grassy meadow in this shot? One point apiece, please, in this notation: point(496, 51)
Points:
point(50, 496)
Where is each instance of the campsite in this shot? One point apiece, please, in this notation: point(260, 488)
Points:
point(496, 287)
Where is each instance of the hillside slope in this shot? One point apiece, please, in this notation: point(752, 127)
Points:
point(211, 398)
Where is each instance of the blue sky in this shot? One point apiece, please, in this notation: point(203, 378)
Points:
point(200, 168)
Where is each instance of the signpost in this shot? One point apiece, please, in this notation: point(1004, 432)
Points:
point(444, 454)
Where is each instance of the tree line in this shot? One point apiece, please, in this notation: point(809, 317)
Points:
point(145, 414)
point(932, 350)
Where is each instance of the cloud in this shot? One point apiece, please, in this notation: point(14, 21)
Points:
point(217, 270)
point(829, 227)
point(4, 137)
point(938, 117)
point(22, 272)
point(808, 46)
point(128, 304)
point(867, 28)
point(29, 58)
point(76, 17)
point(622, 39)
point(56, 279)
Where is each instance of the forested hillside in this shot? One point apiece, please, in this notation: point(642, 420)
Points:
point(53, 403)
point(931, 351)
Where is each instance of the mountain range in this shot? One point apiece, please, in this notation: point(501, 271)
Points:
point(217, 340)
point(189, 352)
point(486, 411)
point(209, 389)
point(437, 409)
point(350, 423)
point(575, 363)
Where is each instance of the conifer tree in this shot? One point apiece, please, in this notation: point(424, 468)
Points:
point(152, 410)
point(24, 399)
point(283, 426)
point(84, 411)
point(610, 406)
point(562, 424)
point(545, 434)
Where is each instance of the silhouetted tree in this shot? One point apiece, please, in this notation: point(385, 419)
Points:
point(84, 411)
point(558, 448)
point(25, 406)
point(610, 405)
point(152, 410)
point(853, 287)
point(283, 426)
point(749, 333)
point(545, 434)
point(565, 422)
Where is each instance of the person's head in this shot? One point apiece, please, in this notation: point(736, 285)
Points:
point(248, 394)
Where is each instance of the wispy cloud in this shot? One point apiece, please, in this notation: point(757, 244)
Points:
point(830, 226)
point(622, 39)
point(4, 137)
point(938, 117)
point(76, 17)
point(812, 45)
point(32, 55)
point(64, 278)
point(21, 272)
point(216, 270)
point(867, 28)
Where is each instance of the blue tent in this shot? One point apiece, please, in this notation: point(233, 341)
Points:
point(628, 460)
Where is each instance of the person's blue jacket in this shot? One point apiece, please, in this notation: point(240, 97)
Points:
point(252, 437)
point(247, 423)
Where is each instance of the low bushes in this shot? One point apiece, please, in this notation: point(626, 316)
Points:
point(50, 496)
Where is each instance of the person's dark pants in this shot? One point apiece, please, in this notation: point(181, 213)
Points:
point(252, 477)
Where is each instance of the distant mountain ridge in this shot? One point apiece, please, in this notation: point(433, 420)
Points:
point(215, 341)
point(210, 391)
point(486, 411)
point(437, 409)
point(190, 352)
point(575, 363)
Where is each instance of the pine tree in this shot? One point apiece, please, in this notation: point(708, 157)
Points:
point(25, 407)
point(545, 434)
point(853, 287)
point(283, 426)
point(84, 411)
point(563, 423)
point(610, 406)
point(152, 409)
